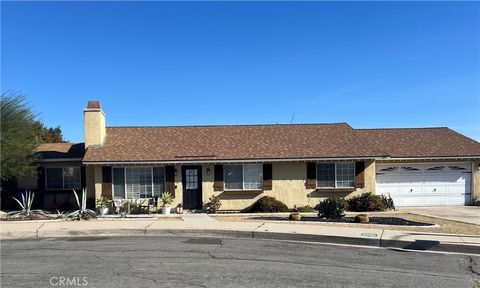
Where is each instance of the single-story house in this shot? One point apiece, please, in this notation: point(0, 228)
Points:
point(299, 164)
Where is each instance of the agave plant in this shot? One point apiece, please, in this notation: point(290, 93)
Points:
point(26, 205)
point(82, 212)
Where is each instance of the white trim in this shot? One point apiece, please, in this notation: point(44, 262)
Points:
point(232, 161)
point(335, 181)
point(243, 178)
point(466, 158)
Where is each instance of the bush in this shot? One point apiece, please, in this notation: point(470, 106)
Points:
point(362, 218)
point(213, 204)
point(306, 209)
point(332, 208)
point(366, 202)
point(269, 204)
point(389, 205)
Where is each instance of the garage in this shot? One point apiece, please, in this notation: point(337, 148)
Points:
point(425, 184)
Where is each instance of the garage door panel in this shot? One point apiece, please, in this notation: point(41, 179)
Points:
point(427, 184)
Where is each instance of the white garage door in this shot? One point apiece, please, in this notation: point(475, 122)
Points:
point(426, 184)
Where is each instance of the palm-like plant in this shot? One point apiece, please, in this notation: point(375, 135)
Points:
point(26, 205)
point(82, 212)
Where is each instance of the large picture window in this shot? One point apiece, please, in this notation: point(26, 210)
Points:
point(138, 182)
point(63, 178)
point(336, 175)
point(243, 177)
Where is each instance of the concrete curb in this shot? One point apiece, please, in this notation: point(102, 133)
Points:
point(418, 245)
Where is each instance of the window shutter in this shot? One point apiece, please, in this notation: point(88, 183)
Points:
point(218, 180)
point(267, 176)
point(83, 177)
point(41, 179)
point(107, 181)
point(359, 174)
point(170, 179)
point(311, 175)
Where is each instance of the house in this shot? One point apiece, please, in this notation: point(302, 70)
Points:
point(299, 164)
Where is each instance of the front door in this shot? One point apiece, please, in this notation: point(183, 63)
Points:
point(192, 187)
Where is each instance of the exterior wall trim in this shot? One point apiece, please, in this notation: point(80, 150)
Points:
point(228, 161)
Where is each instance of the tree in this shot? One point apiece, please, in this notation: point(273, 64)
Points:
point(18, 139)
point(48, 135)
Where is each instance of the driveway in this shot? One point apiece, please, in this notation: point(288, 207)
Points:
point(467, 214)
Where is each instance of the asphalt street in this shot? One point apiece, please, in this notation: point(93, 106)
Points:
point(216, 262)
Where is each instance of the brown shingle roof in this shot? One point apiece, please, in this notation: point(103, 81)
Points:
point(234, 142)
point(421, 142)
point(49, 151)
point(297, 141)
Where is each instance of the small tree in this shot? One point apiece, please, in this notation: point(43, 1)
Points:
point(17, 137)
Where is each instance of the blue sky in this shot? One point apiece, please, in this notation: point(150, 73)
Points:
point(371, 64)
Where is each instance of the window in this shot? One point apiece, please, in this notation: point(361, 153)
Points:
point(65, 178)
point(138, 182)
point(243, 177)
point(336, 175)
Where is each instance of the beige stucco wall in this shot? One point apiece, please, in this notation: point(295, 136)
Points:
point(476, 179)
point(94, 125)
point(288, 186)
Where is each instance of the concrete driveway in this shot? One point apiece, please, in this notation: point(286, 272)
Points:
point(467, 214)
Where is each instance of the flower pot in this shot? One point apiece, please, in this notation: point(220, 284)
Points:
point(166, 210)
point(179, 210)
point(103, 211)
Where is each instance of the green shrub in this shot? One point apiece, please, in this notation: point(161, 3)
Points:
point(366, 202)
point(213, 204)
point(389, 205)
point(362, 218)
point(269, 204)
point(332, 208)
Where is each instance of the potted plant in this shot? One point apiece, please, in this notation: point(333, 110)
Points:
point(179, 208)
point(103, 205)
point(167, 199)
point(295, 215)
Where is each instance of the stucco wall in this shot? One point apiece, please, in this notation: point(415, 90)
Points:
point(95, 130)
point(476, 179)
point(288, 186)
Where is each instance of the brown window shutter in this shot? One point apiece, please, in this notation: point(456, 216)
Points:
point(359, 174)
point(267, 176)
point(218, 178)
point(311, 175)
point(170, 179)
point(107, 181)
point(41, 178)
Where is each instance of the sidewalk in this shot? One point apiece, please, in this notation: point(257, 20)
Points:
point(248, 229)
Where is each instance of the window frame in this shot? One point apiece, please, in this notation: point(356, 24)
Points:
point(63, 178)
point(125, 181)
point(335, 179)
point(243, 177)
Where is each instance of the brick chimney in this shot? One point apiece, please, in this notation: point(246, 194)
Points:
point(94, 124)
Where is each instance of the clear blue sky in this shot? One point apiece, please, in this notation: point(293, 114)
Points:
point(371, 64)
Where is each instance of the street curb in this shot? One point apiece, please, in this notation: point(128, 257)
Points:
point(418, 245)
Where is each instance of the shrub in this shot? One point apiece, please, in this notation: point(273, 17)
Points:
point(366, 202)
point(362, 218)
point(26, 206)
point(332, 208)
point(82, 212)
point(306, 209)
point(213, 204)
point(389, 205)
point(167, 198)
point(269, 204)
point(295, 216)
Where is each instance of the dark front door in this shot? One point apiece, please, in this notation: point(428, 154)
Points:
point(192, 187)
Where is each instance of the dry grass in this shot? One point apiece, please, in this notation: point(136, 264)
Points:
point(445, 226)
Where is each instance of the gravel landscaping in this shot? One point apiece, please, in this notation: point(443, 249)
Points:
point(443, 226)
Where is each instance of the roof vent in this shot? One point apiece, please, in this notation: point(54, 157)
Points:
point(94, 105)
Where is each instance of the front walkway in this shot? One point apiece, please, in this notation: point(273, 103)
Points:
point(466, 214)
